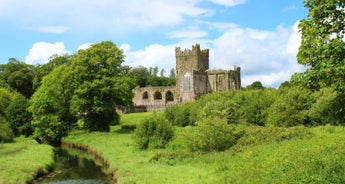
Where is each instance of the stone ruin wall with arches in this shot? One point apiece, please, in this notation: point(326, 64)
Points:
point(193, 79)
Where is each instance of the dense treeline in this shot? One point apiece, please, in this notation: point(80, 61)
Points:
point(149, 76)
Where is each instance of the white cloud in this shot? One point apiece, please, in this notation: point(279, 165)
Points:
point(49, 29)
point(41, 52)
point(228, 2)
point(84, 46)
point(106, 15)
point(161, 56)
point(266, 56)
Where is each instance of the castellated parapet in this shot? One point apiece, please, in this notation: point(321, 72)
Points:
point(193, 79)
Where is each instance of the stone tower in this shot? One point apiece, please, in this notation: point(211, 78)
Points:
point(191, 75)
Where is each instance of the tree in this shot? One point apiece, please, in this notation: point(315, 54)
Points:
point(18, 117)
point(100, 84)
point(255, 85)
point(45, 69)
point(162, 72)
point(172, 73)
point(290, 108)
point(140, 74)
point(322, 48)
point(18, 75)
point(50, 107)
point(6, 133)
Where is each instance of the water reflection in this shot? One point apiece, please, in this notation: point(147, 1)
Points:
point(74, 169)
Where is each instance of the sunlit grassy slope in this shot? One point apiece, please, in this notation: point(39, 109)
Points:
point(22, 160)
point(261, 155)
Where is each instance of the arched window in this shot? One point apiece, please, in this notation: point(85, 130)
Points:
point(145, 95)
point(186, 81)
point(169, 96)
point(157, 96)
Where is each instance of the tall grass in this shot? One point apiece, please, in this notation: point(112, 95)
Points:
point(23, 160)
point(261, 155)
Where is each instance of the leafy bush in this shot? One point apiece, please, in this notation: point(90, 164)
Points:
point(18, 116)
point(154, 132)
point(227, 110)
point(290, 108)
point(256, 135)
point(180, 115)
point(323, 111)
point(254, 104)
point(6, 134)
point(211, 135)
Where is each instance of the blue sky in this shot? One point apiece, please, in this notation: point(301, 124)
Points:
point(260, 36)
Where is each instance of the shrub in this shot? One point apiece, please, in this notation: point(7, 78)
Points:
point(290, 108)
point(180, 115)
point(254, 104)
point(18, 116)
point(6, 134)
point(154, 132)
point(227, 110)
point(323, 111)
point(211, 135)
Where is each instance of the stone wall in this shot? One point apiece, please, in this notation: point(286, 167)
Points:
point(154, 98)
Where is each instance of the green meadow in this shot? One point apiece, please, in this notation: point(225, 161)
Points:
point(23, 160)
point(260, 155)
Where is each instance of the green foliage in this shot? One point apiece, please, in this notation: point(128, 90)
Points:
point(255, 85)
point(6, 134)
point(154, 132)
point(18, 75)
point(180, 115)
point(140, 74)
point(322, 46)
point(99, 84)
point(258, 135)
point(254, 105)
point(211, 135)
point(50, 107)
point(45, 69)
point(227, 110)
point(18, 116)
point(148, 77)
point(6, 97)
point(247, 106)
point(161, 81)
point(322, 111)
point(290, 108)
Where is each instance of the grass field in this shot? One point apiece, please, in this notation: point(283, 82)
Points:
point(261, 155)
point(24, 159)
point(135, 118)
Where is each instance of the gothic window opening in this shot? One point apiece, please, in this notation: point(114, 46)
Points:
point(145, 95)
point(169, 96)
point(157, 96)
point(186, 82)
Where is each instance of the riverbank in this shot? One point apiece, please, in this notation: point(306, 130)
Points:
point(24, 160)
point(262, 155)
point(96, 156)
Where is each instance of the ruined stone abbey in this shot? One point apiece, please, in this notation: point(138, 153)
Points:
point(193, 79)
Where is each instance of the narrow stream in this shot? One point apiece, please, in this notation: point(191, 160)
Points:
point(74, 167)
